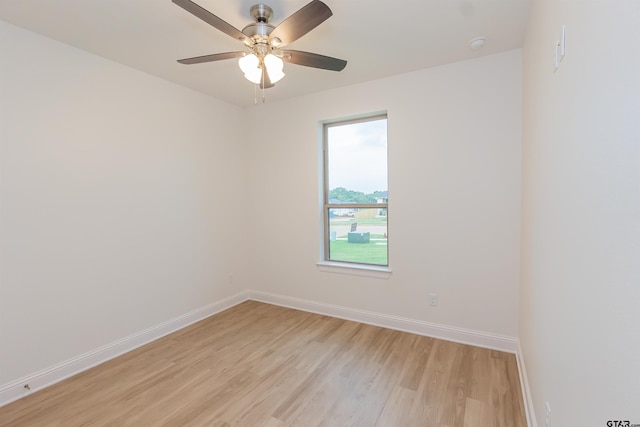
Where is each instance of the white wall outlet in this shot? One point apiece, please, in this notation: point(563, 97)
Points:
point(547, 415)
point(433, 300)
point(230, 279)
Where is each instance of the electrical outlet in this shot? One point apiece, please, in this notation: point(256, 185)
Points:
point(547, 415)
point(433, 300)
point(230, 279)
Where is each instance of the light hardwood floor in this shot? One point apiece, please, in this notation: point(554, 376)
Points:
point(261, 365)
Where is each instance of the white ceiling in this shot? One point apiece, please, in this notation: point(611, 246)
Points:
point(378, 38)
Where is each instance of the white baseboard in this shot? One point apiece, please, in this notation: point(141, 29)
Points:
point(526, 391)
point(49, 376)
point(435, 330)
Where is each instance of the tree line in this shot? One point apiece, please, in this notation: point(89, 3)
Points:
point(350, 196)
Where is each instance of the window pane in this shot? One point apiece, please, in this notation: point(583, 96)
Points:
point(358, 235)
point(356, 191)
point(357, 161)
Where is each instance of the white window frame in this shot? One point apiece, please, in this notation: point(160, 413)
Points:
point(345, 267)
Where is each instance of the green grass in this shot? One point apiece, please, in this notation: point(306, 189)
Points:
point(367, 253)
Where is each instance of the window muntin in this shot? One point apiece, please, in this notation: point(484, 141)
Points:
point(356, 191)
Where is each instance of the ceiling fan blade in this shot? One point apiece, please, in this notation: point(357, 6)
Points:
point(265, 82)
point(314, 60)
point(210, 58)
point(300, 23)
point(211, 19)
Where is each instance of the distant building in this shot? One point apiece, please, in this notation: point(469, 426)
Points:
point(383, 197)
point(341, 211)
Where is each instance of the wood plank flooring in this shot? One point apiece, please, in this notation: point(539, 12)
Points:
point(261, 365)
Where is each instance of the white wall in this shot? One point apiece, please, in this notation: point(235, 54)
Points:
point(454, 182)
point(580, 294)
point(119, 200)
point(127, 200)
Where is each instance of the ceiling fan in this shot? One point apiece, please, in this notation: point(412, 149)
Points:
point(263, 63)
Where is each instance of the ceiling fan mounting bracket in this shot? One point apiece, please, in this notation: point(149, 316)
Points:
point(261, 13)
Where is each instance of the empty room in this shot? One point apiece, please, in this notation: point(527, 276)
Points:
point(320, 213)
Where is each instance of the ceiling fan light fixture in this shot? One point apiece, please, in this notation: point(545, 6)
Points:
point(254, 76)
point(249, 63)
point(275, 75)
point(274, 66)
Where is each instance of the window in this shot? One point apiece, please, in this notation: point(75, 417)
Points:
point(355, 191)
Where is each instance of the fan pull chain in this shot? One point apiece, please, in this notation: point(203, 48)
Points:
point(264, 79)
point(255, 95)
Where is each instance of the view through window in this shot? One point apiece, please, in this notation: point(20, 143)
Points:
point(356, 191)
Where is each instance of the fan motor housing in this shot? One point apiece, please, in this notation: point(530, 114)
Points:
point(258, 29)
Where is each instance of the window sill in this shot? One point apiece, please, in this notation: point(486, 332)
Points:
point(355, 269)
